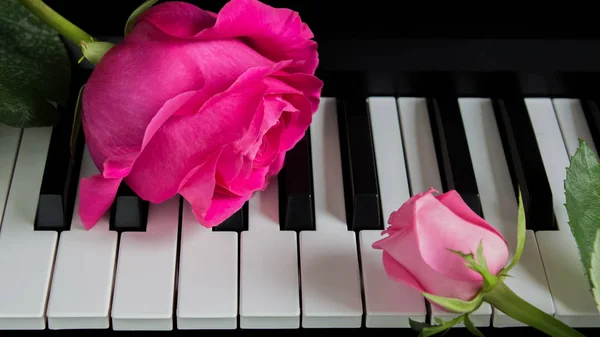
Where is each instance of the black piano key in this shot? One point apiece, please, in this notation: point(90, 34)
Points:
point(61, 178)
point(452, 149)
point(358, 165)
point(129, 213)
point(295, 181)
point(525, 161)
point(238, 222)
point(592, 116)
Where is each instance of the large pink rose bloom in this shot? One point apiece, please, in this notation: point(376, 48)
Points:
point(423, 230)
point(199, 104)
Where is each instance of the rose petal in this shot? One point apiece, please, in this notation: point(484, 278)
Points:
point(185, 142)
point(178, 18)
point(96, 195)
point(198, 187)
point(403, 248)
point(455, 203)
point(222, 207)
point(123, 88)
point(439, 230)
point(277, 33)
point(277, 165)
point(398, 273)
point(309, 85)
point(257, 180)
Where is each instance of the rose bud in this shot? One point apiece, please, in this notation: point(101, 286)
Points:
point(424, 235)
point(199, 104)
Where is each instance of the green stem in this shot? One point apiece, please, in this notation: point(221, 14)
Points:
point(57, 22)
point(505, 300)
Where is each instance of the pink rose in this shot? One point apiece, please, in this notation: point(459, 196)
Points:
point(416, 250)
point(201, 104)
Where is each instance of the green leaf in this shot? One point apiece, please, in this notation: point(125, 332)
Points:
point(76, 121)
point(34, 69)
point(134, 15)
point(595, 270)
point(521, 235)
point(456, 305)
point(582, 191)
point(93, 51)
point(471, 327)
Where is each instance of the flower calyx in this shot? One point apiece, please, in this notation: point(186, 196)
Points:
point(93, 50)
point(490, 282)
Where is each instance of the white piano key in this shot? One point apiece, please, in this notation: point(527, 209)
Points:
point(269, 284)
point(573, 301)
point(9, 147)
point(389, 154)
point(419, 149)
point(500, 206)
point(330, 278)
point(207, 295)
point(387, 303)
point(82, 282)
point(573, 124)
point(145, 280)
point(553, 152)
point(26, 256)
point(423, 173)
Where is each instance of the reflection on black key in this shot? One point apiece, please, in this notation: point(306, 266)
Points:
point(61, 177)
point(296, 201)
point(361, 189)
point(238, 222)
point(592, 115)
point(525, 162)
point(452, 149)
point(129, 212)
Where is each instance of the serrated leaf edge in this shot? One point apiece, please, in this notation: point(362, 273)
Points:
point(595, 270)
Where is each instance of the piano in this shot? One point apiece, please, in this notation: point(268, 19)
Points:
point(476, 108)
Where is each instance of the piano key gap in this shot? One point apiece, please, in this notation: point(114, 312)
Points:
point(177, 259)
point(402, 139)
point(523, 158)
point(12, 173)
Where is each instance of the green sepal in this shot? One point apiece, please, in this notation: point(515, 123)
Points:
point(489, 279)
point(426, 330)
point(521, 235)
point(471, 327)
point(456, 305)
point(94, 51)
point(134, 15)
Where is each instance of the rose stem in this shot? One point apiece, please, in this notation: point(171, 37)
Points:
point(57, 22)
point(505, 300)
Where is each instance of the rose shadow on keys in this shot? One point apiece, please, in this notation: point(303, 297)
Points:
point(333, 204)
point(268, 201)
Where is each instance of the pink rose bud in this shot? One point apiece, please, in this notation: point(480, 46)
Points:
point(417, 252)
point(201, 104)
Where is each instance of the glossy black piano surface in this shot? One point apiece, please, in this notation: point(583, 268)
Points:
point(378, 51)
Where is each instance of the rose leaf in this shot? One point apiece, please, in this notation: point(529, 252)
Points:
point(582, 191)
point(34, 69)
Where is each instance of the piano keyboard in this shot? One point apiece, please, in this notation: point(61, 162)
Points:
point(298, 254)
